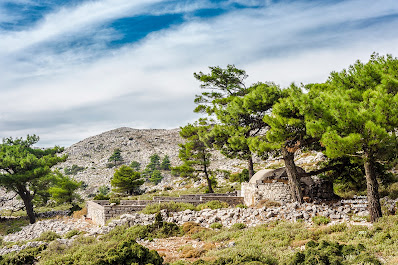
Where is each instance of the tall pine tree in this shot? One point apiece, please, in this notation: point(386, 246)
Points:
point(356, 113)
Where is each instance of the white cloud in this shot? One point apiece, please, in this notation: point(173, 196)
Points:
point(72, 19)
point(283, 43)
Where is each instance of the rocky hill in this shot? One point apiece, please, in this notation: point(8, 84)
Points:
point(136, 145)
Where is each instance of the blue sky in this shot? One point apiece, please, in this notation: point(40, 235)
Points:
point(75, 68)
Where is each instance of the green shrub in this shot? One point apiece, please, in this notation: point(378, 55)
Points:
point(23, 257)
point(169, 206)
point(125, 251)
point(48, 236)
point(216, 226)
point(240, 177)
point(212, 205)
point(393, 191)
point(156, 177)
point(320, 220)
point(73, 170)
point(100, 196)
point(114, 200)
point(240, 205)
point(238, 226)
point(72, 233)
point(332, 253)
point(341, 227)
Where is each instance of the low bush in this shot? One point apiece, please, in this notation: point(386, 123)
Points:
point(341, 227)
point(216, 226)
point(240, 177)
point(9, 226)
point(101, 197)
point(48, 236)
point(268, 204)
point(320, 220)
point(212, 205)
point(126, 251)
point(238, 226)
point(190, 252)
point(190, 228)
point(73, 170)
point(333, 253)
point(169, 206)
point(23, 257)
point(72, 233)
point(114, 200)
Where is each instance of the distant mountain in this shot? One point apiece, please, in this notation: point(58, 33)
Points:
point(93, 153)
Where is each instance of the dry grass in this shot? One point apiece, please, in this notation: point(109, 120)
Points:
point(80, 214)
point(267, 204)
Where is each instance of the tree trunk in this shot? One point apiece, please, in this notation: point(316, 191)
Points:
point(27, 200)
point(293, 176)
point(250, 167)
point(372, 187)
point(208, 179)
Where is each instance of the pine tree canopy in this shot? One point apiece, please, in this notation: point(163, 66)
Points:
point(23, 168)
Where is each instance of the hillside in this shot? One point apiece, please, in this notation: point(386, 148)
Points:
point(135, 145)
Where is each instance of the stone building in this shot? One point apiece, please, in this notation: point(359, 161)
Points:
point(272, 184)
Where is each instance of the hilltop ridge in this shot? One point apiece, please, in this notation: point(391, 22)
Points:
point(93, 152)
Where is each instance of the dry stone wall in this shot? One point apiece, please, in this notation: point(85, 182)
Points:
point(102, 211)
point(253, 193)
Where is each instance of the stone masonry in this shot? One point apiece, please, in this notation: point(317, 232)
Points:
point(101, 211)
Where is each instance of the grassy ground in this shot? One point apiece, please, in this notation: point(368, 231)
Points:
point(280, 243)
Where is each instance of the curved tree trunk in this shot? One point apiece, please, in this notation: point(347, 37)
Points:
point(207, 178)
point(372, 187)
point(293, 176)
point(250, 167)
point(27, 200)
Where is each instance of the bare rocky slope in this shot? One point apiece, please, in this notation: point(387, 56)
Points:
point(135, 145)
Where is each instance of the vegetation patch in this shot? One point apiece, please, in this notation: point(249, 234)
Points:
point(326, 252)
point(212, 205)
point(320, 220)
point(169, 206)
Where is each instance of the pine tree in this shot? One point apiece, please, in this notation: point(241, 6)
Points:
point(135, 165)
point(64, 190)
point(165, 165)
point(195, 153)
point(356, 113)
point(241, 120)
point(220, 84)
point(285, 135)
point(22, 168)
point(116, 157)
point(125, 179)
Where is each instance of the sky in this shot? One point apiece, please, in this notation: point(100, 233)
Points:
point(70, 69)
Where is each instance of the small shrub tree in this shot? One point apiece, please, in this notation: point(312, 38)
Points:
point(127, 180)
point(135, 165)
point(73, 170)
point(116, 157)
point(64, 190)
point(165, 165)
point(156, 177)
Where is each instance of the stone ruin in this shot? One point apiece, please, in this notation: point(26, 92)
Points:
point(266, 184)
point(100, 211)
point(272, 184)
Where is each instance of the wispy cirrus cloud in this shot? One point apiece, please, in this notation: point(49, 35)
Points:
point(63, 79)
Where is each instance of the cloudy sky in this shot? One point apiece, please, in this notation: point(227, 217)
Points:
point(70, 69)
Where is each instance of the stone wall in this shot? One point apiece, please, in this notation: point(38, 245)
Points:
point(233, 201)
point(95, 211)
point(101, 211)
point(254, 192)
